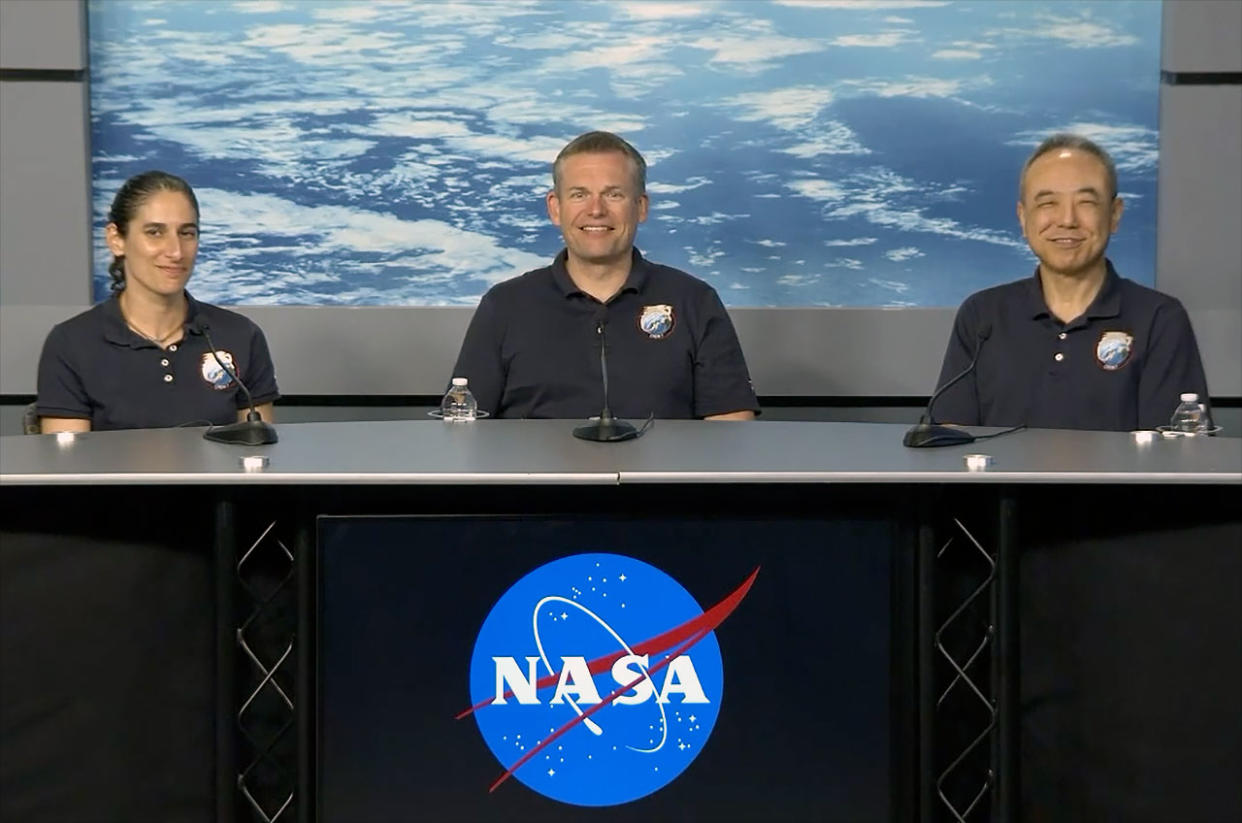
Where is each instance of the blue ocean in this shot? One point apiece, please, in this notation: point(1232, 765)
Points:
point(801, 153)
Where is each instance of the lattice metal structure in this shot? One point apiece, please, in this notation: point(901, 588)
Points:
point(965, 638)
point(963, 757)
point(266, 713)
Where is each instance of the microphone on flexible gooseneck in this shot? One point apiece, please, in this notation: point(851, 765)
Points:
point(927, 432)
point(609, 429)
point(254, 430)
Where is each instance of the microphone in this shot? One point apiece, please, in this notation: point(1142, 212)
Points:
point(608, 429)
point(254, 430)
point(927, 432)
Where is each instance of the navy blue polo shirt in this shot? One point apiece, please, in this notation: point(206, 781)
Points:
point(1120, 366)
point(94, 366)
point(532, 349)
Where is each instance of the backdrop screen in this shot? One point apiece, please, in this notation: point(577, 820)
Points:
point(801, 153)
point(779, 707)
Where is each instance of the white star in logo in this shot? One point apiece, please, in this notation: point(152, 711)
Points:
point(563, 615)
point(692, 718)
point(622, 577)
point(551, 772)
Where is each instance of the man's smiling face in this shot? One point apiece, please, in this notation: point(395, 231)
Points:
point(598, 207)
point(1068, 211)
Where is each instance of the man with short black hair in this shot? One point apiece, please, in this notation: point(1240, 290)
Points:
point(1076, 346)
point(533, 347)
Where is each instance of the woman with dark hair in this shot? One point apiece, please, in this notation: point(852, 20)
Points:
point(142, 358)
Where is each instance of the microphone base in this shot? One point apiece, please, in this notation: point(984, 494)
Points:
point(606, 431)
point(247, 433)
point(928, 435)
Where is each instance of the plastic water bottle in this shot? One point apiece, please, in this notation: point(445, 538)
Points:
point(459, 405)
point(1205, 420)
point(1188, 416)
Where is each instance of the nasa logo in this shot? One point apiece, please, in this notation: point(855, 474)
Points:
point(596, 679)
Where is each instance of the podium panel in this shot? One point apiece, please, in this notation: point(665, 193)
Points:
point(806, 712)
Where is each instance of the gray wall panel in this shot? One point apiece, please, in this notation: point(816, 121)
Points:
point(42, 34)
point(1201, 36)
point(45, 218)
point(1199, 256)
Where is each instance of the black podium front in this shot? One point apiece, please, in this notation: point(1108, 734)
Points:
point(806, 713)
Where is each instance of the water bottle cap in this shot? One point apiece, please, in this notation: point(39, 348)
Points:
point(461, 381)
point(1190, 397)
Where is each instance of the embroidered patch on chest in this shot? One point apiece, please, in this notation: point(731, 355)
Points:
point(213, 373)
point(1113, 349)
point(657, 321)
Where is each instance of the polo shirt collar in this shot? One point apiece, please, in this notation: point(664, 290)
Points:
point(1106, 304)
point(193, 313)
point(634, 282)
point(116, 330)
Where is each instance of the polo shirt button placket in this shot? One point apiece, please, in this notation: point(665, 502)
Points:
point(165, 362)
point(1054, 371)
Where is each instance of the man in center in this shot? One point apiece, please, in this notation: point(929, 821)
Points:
point(533, 347)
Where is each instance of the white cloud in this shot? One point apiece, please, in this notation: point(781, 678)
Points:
point(757, 51)
point(902, 254)
point(523, 107)
point(883, 40)
point(855, 241)
point(891, 285)
point(1081, 32)
point(796, 280)
point(329, 44)
point(832, 138)
point(789, 108)
point(352, 13)
point(676, 188)
point(480, 19)
point(715, 218)
point(260, 6)
point(884, 198)
point(1134, 149)
point(957, 54)
point(542, 41)
point(662, 11)
point(913, 219)
point(863, 5)
point(817, 189)
point(413, 124)
point(533, 149)
point(921, 87)
point(635, 50)
point(441, 251)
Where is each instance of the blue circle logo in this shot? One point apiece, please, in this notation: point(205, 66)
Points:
point(596, 679)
